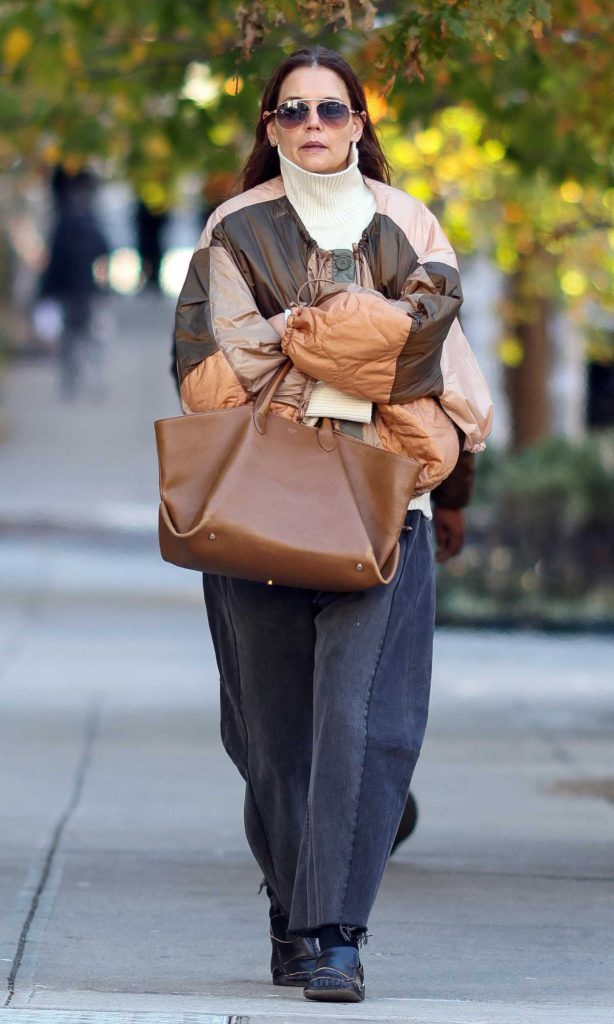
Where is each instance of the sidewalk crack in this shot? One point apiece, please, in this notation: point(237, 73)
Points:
point(90, 733)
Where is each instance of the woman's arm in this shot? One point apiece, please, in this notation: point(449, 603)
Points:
point(226, 350)
point(385, 350)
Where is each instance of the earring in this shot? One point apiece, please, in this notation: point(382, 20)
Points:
point(273, 144)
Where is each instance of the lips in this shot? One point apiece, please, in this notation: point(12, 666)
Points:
point(313, 145)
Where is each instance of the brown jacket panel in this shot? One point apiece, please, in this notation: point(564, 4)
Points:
point(420, 427)
point(212, 385)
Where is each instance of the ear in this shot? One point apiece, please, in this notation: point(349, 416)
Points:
point(271, 130)
point(358, 126)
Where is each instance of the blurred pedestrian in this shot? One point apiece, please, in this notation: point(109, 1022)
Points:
point(77, 242)
point(325, 695)
point(150, 225)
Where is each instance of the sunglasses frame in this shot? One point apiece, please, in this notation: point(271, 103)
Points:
point(310, 100)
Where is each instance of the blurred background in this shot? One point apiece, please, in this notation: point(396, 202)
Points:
point(123, 126)
point(124, 873)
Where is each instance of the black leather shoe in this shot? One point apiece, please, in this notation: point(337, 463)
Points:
point(293, 960)
point(338, 977)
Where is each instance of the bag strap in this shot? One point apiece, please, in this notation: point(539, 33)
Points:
point(264, 398)
point(262, 406)
point(319, 295)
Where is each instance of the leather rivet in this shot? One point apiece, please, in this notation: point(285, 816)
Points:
point(211, 536)
point(359, 566)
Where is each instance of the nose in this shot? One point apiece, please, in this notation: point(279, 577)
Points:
point(313, 121)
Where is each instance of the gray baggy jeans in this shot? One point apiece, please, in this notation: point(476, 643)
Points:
point(324, 703)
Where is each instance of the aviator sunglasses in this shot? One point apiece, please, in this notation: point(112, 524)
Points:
point(293, 113)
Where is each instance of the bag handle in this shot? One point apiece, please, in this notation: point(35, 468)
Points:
point(263, 401)
point(338, 290)
point(262, 406)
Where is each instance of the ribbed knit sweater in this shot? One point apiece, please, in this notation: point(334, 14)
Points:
point(335, 209)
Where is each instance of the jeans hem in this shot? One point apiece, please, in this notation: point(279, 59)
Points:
point(358, 932)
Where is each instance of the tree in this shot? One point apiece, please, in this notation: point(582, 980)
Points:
point(498, 112)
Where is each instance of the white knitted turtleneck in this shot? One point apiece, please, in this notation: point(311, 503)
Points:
point(335, 209)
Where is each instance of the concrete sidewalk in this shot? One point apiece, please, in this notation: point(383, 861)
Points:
point(90, 463)
point(127, 892)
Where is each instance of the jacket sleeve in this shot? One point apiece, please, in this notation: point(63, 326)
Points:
point(385, 350)
point(455, 491)
point(226, 350)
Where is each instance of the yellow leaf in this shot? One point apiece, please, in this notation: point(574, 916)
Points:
point(138, 52)
point(449, 168)
point(429, 141)
point(121, 105)
point(157, 146)
point(506, 256)
point(464, 121)
point(16, 44)
point(73, 163)
point(493, 151)
point(404, 154)
point(537, 29)
point(51, 154)
point(154, 195)
point(571, 192)
point(419, 188)
point(511, 352)
point(376, 105)
point(222, 134)
point(574, 283)
point(71, 55)
point(234, 85)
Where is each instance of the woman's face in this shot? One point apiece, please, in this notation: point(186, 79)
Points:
point(315, 146)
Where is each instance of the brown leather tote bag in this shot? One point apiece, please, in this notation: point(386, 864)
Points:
point(253, 495)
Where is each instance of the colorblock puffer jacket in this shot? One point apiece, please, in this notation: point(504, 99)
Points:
point(381, 324)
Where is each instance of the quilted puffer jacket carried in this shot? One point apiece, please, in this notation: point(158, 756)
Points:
point(380, 323)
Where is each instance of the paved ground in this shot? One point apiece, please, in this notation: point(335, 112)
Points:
point(127, 892)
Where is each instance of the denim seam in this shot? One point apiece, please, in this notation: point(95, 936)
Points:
point(365, 721)
point(423, 583)
point(248, 779)
point(421, 588)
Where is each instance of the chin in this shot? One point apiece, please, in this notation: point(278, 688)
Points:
point(321, 159)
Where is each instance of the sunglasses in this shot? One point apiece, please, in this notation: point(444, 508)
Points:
point(293, 113)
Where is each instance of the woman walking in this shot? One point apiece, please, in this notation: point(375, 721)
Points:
point(324, 696)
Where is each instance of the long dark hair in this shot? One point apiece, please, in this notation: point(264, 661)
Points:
point(263, 161)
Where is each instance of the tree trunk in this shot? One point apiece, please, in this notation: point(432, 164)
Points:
point(527, 383)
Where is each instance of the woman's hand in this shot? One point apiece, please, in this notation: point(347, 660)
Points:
point(450, 532)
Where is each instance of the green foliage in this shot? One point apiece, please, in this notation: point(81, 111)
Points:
point(101, 77)
point(561, 483)
point(541, 547)
point(498, 112)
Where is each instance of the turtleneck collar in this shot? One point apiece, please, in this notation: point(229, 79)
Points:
point(329, 184)
point(328, 201)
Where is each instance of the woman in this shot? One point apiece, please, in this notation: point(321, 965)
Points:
point(325, 695)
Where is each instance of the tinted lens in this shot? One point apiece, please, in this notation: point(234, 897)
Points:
point(292, 113)
point(333, 113)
